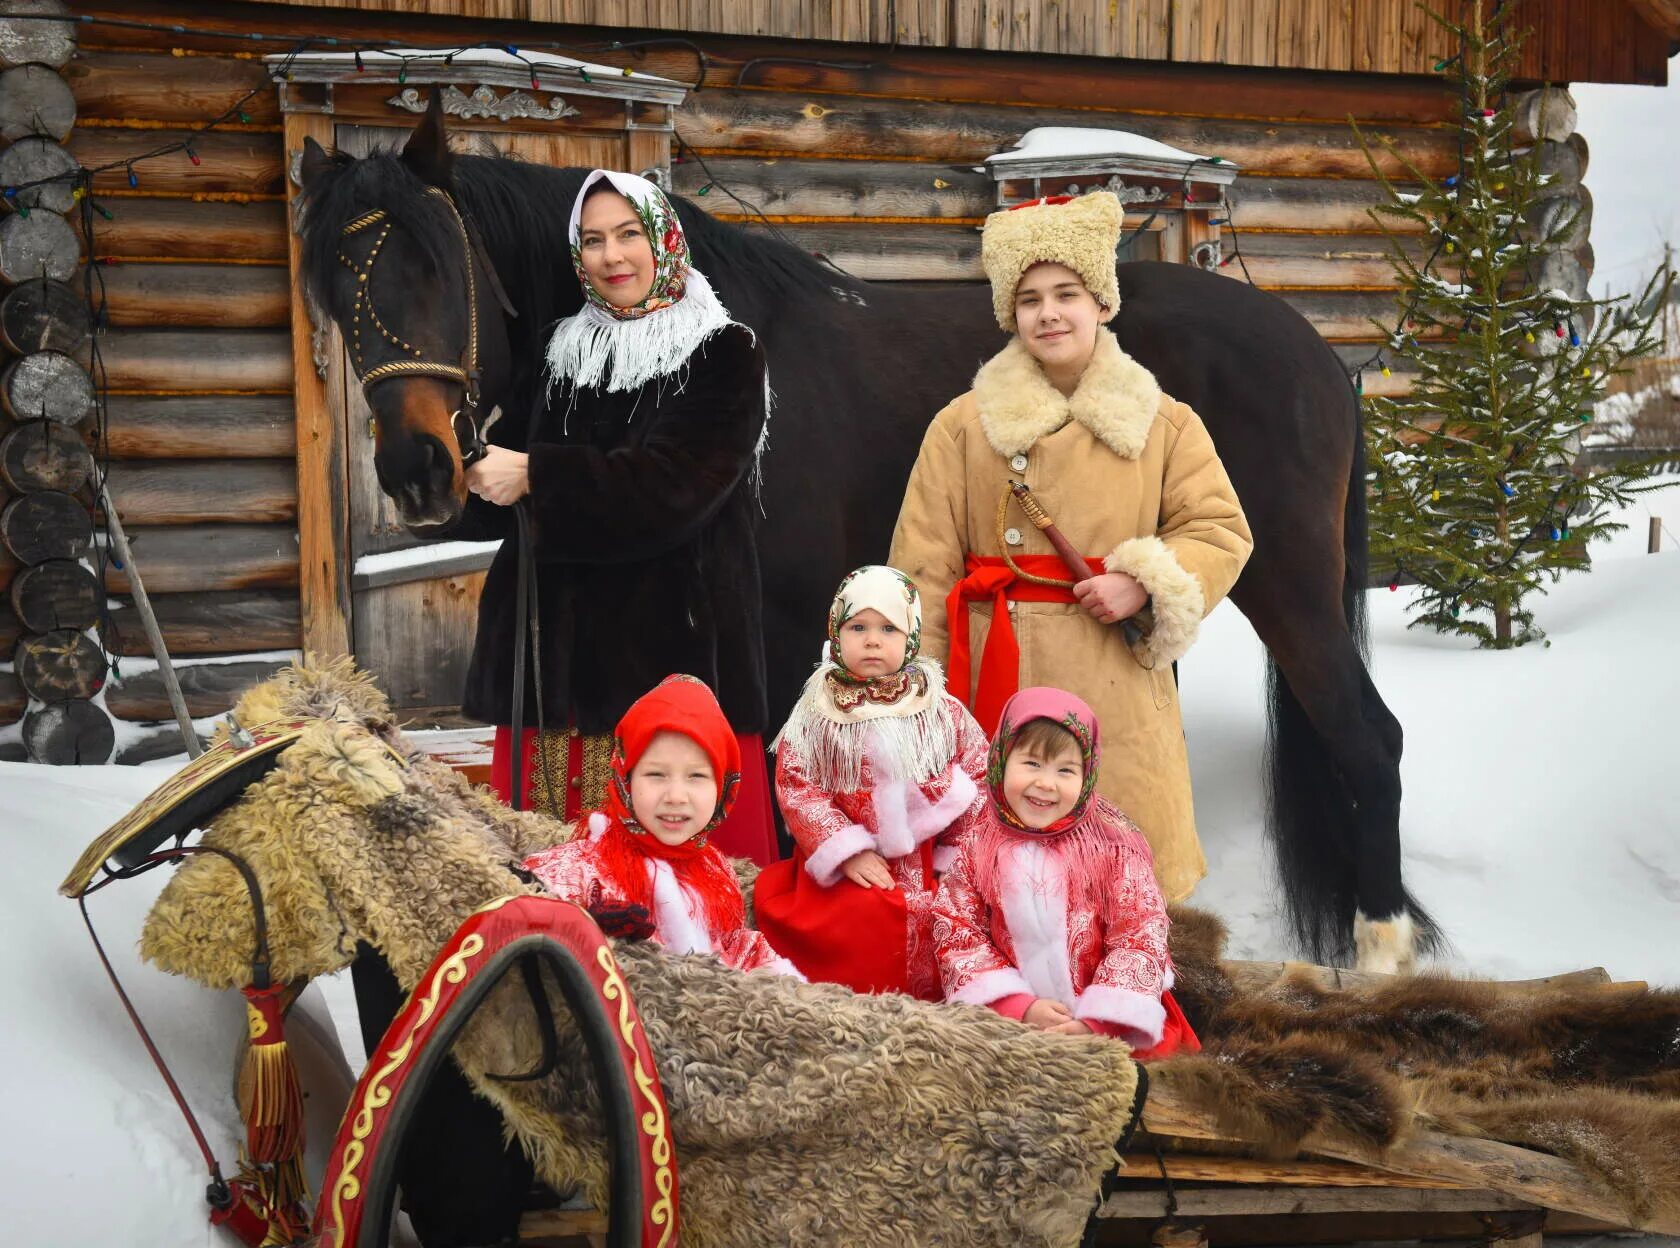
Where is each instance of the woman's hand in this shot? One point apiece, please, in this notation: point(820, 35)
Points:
point(1111, 597)
point(501, 477)
point(1047, 1015)
point(867, 869)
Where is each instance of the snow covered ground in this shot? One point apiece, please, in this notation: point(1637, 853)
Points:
point(1540, 824)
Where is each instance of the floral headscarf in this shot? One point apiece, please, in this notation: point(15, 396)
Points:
point(1065, 711)
point(887, 590)
point(619, 349)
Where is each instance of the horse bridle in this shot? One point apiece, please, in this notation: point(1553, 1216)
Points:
point(466, 374)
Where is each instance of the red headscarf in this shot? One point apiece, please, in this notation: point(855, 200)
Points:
point(1085, 835)
point(683, 705)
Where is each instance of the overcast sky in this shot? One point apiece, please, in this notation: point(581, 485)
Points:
point(1633, 172)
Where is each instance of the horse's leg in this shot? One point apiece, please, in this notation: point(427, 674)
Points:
point(1335, 772)
point(462, 1183)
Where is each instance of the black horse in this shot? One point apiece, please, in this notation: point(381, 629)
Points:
point(858, 370)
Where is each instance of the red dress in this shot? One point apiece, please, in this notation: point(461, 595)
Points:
point(871, 939)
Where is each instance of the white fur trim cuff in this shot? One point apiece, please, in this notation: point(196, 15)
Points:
point(1137, 1010)
point(1177, 601)
point(825, 864)
point(934, 818)
point(781, 966)
point(989, 986)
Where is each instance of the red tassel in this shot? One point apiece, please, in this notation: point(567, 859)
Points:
point(271, 1105)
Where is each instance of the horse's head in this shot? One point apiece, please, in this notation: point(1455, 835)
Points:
point(391, 256)
point(352, 837)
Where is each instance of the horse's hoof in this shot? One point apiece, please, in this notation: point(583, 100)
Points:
point(1385, 946)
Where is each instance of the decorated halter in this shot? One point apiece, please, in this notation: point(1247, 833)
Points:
point(466, 373)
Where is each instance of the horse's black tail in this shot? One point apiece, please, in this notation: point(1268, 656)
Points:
point(1311, 817)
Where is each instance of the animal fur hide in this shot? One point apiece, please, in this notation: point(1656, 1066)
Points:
point(802, 1113)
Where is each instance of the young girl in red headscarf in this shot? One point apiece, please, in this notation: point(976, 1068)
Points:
point(676, 768)
point(1050, 913)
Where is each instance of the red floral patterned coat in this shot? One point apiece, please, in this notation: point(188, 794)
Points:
point(895, 820)
point(1107, 961)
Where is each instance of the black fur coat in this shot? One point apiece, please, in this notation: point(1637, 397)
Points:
point(643, 515)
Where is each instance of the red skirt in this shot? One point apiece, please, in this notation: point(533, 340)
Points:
point(842, 934)
point(1176, 1035)
point(748, 832)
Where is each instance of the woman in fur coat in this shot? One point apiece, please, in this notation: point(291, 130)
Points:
point(1131, 479)
point(875, 769)
point(638, 479)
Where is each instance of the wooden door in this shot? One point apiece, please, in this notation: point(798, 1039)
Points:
point(413, 613)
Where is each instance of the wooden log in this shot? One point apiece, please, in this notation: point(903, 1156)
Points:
point(238, 491)
point(185, 229)
point(59, 665)
point(1330, 260)
point(231, 161)
point(46, 525)
point(69, 733)
point(889, 253)
point(837, 188)
point(13, 700)
point(257, 426)
point(47, 385)
point(238, 296)
point(9, 568)
point(178, 360)
point(149, 747)
point(1258, 976)
point(44, 455)
point(39, 245)
point(1547, 113)
point(1226, 1202)
point(57, 594)
point(1324, 204)
point(44, 315)
point(1538, 1178)
point(1563, 220)
point(210, 623)
point(209, 689)
point(192, 557)
point(1564, 165)
point(1563, 271)
point(44, 162)
point(836, 125)
point(35, 100)
point(120, 86)
point(27, 39)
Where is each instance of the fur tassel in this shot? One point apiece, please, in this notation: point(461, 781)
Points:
point(911, 748)
point(594, 350)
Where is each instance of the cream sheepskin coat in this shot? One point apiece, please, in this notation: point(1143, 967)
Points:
point(1129, 475)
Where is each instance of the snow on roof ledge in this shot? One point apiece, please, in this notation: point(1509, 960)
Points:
point(468, 58)
point(1075, 142)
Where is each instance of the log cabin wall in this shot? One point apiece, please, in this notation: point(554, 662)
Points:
point(867, 154)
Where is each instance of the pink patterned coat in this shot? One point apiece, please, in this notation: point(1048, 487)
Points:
point(1106, 961)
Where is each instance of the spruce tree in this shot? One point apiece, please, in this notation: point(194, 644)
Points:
point(1475, 494)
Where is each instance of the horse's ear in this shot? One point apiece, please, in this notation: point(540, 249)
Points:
point(427, 150)
point(315, 164)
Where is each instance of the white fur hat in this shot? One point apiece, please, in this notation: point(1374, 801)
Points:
point(1082, 233)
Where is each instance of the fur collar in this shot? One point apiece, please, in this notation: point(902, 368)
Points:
point(1117, 399)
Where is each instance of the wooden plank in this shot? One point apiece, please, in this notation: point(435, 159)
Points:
point(1538, 1178)
point(193, 557)
point(13, 699)
point(234, 491)
point(169, 90)
point(227, 296)
point(1299, 1172)
point(1254, 976)
point(209, 689)
point(258, 426)
point(757, 121)
point(416, 637)
point(230, 162)
point(1285, 1200)
point(241, 622)
point(323, 487)
point(174, 361)
point(184, 229)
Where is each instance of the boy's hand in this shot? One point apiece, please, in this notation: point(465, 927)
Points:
point(1047, 1015)
point(501, 477)
point(867, 869)
point(1111, 597)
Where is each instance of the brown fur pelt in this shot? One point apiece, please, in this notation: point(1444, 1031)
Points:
point(802, 1114)
point(1588, 1075)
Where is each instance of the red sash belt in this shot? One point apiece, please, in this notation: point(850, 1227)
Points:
point(1000, 662)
